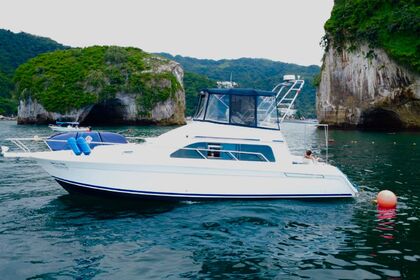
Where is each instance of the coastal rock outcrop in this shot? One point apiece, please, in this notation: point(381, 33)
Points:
point(101, 85)
point(364, 87)
point(371, 66)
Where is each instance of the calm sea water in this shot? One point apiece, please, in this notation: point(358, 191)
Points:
point(47, 234)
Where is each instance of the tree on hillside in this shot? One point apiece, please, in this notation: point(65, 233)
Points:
point(15, 49)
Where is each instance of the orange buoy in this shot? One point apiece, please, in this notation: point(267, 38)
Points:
point(386, 199)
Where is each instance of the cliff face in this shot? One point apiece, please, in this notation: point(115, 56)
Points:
point(365, 88)
point(108, 85)
point(370, 74)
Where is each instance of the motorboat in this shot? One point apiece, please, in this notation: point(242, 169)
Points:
point(68, 127)
point(232, 149)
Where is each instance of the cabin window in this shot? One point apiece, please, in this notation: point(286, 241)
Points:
point(218, 108)
point(267, 112)
point(190, 151)
point(256, 152)
point(226, 151)
point(243, 110)
point(201, 108)
point(246, 108)
point(213, 150)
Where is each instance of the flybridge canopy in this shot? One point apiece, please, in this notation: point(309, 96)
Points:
point(240, 91)
point(238, 106)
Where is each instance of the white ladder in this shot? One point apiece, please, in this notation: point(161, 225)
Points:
point(286, 98)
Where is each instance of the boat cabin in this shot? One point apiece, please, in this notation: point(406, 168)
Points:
point(238, 106)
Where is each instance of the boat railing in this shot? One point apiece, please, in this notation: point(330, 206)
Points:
point(21, 143)
point(326, 137)
point(231, 153)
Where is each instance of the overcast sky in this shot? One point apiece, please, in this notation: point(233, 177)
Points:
point(287, 31)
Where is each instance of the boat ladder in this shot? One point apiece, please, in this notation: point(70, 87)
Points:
point(287, 92)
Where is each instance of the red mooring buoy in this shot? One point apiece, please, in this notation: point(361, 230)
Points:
point(386, 199)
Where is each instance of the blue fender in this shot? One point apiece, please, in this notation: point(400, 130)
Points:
point(83, 145)
point(73, 146)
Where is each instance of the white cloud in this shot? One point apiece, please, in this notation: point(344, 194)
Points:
point(287, 31)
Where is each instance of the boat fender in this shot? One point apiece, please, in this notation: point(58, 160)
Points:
point(83, 145)
point(74, 147)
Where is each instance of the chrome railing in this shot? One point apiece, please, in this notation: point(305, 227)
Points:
point(231, 153)
point(20, 142)
point(326, 137)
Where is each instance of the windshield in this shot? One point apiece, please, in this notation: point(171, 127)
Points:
point(267, 112)
point(218, 108)
point(243, 110)
point(201, 107)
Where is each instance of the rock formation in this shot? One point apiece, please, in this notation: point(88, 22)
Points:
point(146, 90)
point(365, 88)
point(371, 66)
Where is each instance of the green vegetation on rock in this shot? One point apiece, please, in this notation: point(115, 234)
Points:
point(193, 84)
point(248, 72)
point(393, 25)
point(15, 49)
point(71, 79)
point(155, 87)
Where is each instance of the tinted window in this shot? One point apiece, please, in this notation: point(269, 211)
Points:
point(267, 112)
point(243, 110)
point(226, 151)
point(201, 109)
point(218, 108)
point(260, 151)
point(186, 154)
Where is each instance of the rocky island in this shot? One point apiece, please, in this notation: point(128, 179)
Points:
point(370, 75)
point(100, 85)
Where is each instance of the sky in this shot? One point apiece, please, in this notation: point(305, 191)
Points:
point(287, 31)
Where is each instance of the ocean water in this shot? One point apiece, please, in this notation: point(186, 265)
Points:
point(47, 234)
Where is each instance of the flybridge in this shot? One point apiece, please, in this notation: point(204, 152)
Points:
point(286, 94)
point(249, 107)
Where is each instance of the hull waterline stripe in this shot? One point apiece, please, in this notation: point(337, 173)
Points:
point(189, 195)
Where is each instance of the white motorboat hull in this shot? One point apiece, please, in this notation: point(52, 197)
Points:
point(69, 129)
point(194, 183)
point(149, 170)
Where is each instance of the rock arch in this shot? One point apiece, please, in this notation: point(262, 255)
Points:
point(381, 119)
point(108, 112)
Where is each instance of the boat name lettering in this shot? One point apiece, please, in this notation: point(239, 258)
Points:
point(59, 165)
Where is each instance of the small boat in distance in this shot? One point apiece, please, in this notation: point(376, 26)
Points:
point(68, 127)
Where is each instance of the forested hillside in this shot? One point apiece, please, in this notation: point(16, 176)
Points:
point(250, 72)
point(193, 83)
point(15, 49)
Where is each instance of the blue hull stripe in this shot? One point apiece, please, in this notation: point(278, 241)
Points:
point(192, 195)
